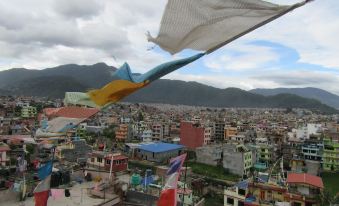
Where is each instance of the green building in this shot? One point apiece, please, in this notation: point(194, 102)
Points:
point(331, 155)
point(28, 112)
point(265, 153)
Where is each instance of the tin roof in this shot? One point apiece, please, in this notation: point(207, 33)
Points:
point(304, 178)
point(160, 147)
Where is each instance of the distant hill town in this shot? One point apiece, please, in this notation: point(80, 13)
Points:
point(54, 82)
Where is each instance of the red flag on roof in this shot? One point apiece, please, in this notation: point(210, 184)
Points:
point(41, 198)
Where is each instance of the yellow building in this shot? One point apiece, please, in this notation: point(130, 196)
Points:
point(28, 112)
point(230, 132)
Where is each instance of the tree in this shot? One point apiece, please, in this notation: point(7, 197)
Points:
point(140, 117)
point(109, 132)
point(17, 111)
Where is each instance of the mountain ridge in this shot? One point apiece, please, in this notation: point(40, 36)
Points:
point(54, 82)
point(307, 92)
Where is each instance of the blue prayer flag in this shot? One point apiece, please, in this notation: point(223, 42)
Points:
point(45, 170)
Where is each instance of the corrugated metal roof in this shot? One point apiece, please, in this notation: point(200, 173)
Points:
point(305, 178)
point(71, 112)
point(160, 147)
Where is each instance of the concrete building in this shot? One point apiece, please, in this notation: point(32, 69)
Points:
point(138, 128)
point(157, 131)
point(312, 151)
point(239, 138)
point(193, 136)
point(209, 154)
point(207, 135)
point(218, 128)
point(236, 195)
point(309, 186)
point(102, 160)
point(264, 153)
point(75, 151)
point(291, 150)
point(158, 152)
point(28, 112)
point(305, 132)
point(4, 159)
point(237, 159)
point(123, 133)
point(230, 132)
point(147, 135)
point(331, 155)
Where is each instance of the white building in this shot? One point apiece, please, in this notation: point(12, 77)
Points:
point(207, 135)
point(305, 132)
point(147, 135)
point(157, 131)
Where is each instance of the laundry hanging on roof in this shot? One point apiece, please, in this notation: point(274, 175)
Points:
point(207, 25)
point(17, 186)
point(57, 193)
point(126, 84)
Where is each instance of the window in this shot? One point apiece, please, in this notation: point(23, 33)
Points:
point(108, 162)
point(296, 204)
point(99, 159)
point(241, 192)
point(230, 201)
point(92, 159)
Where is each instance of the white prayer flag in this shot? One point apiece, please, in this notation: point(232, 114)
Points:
point(207, 25)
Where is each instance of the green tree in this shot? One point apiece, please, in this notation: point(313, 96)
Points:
point(140, 117)
point(17, 111)
point(109, 132)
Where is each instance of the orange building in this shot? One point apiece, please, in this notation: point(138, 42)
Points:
point(122, 133)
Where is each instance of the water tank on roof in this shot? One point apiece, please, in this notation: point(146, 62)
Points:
point(135, 179)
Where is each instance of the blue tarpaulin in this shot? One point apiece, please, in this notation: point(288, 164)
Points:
point(148, 180)
point(160, 147)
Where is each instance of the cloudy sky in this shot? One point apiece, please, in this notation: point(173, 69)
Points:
point(300, 49)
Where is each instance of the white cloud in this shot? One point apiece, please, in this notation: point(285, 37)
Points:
point(78, 8)
point(311, 30)
point(240, 56)
point(37, 34)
